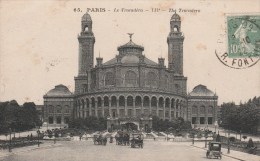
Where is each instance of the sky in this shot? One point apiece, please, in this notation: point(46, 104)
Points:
point(39, 46)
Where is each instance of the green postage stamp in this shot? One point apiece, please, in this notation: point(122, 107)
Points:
point(243, 36)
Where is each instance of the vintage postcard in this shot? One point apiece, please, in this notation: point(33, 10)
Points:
point(130, 80)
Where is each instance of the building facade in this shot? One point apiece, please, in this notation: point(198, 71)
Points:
point(128, 89)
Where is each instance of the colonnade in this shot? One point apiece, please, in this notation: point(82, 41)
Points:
point(131, 106)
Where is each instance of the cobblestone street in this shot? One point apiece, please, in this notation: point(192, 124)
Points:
point(85, 150)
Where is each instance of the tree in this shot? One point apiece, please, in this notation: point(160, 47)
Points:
point(245, 117)
point(244, 137)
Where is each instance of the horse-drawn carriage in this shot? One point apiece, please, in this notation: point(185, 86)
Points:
point(100, 140)
point(122, 138)
point(137, 140)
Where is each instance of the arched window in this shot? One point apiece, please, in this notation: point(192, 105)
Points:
point(99, 102)
point(93, 103)
point(130, 101)
point(122, 101)
point(172, 105)
point(151, 79)
point(138, 101)
point(176, 28)
point(109, 79)
point(210, 110)
point(86, 28)
point(67, 109)
point(87, 103)
point(194, 110)
point(161, 102)
point(177, 104)
point(146, 101)
point(130, 78)
point(51, 109)
point(83, 104)
point(113, 101)
point(58, 109)
point(84, 88)
point(154, 102)
point(167, 102)
point(106, 101)
point(202, 109)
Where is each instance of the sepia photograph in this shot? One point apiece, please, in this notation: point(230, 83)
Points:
point(133, 80)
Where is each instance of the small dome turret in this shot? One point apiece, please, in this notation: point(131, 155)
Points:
point(175, 17)
point(86, 17)
point(201, 90)
point(130, 47)
point(59, 91)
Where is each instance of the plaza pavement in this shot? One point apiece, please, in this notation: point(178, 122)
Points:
point(85, 150)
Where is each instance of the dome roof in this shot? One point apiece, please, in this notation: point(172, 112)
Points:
point(201, 90)
point(130, 59)
point(59, 91)
point(130, 44)
point(86, 17)
point(175, 17)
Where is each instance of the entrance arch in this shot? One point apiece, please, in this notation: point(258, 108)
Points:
point(130, 125)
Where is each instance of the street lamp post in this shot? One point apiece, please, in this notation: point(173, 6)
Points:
point(206, 137)
point(228, 143)
point(216, 125)
point(193, 136)
point(10, 141)
point(38, 132)
point(14, 132)
point(240, 134)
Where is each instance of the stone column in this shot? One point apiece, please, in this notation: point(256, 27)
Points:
point(62, 118)
point(126, 110)
point(164, 109)
point(175, 108)
point(96, 109)
point(206, 115)
point(109, 107)
point(85, 111)
point(134, 113)
point(90, 107)
point(80, 110)
point(117, 107)
point(103, 107)
point(170, 111)
point(142, 106)
point(198, 117)
point(150, 106)
point(157, 108)
point(54, 119)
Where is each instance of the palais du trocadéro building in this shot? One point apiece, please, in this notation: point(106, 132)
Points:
point(130, 88)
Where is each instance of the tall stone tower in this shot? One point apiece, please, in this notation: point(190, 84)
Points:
point(86, 55)
point(175, 45)
point(86, 45)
